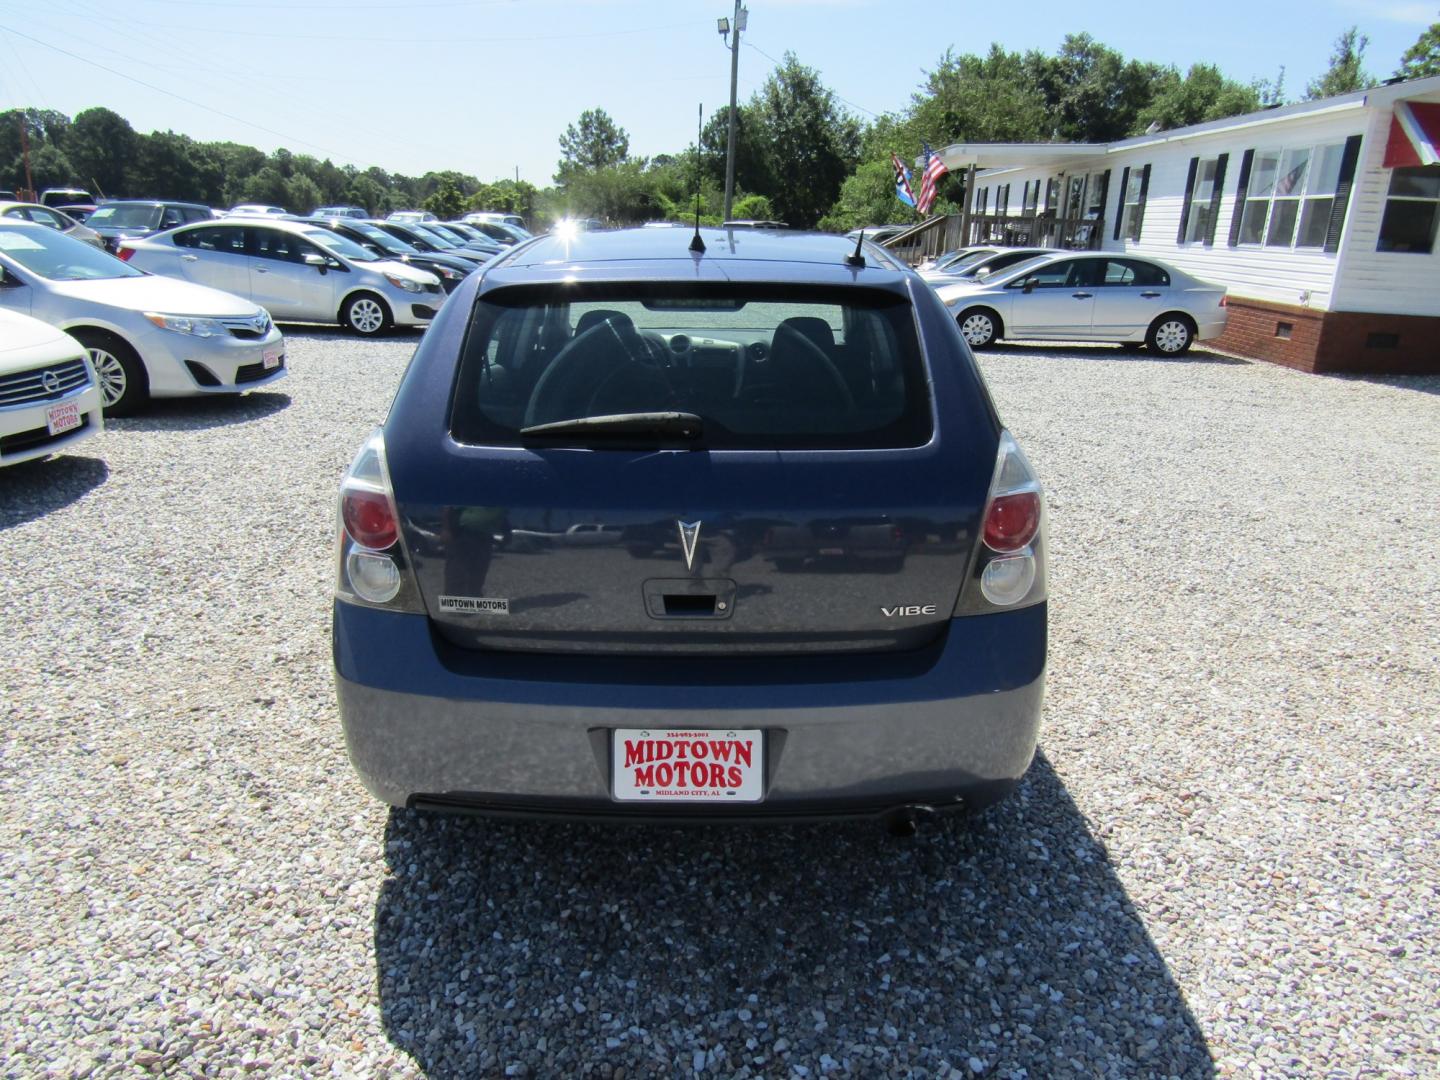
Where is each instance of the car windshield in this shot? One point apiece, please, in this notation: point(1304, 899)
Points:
point(989, 267)
point(759, 366)
point(384, 241)
point(126, 217)
point(337, 244)
point(58, 257)
point(436, 237)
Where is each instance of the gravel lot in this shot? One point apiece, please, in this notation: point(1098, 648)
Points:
point(1223, 862)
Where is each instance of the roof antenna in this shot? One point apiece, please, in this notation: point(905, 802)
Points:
point(697, 245)
point(855, 258)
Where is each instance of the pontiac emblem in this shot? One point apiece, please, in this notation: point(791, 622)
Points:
point(689, 535)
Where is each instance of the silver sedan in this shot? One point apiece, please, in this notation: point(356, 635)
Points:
point(1092, 296)
point(55, 219)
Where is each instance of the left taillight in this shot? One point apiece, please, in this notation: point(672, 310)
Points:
point(124, 252)
point(372, 565)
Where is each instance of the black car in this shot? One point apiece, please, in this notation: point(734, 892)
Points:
point(462, 235)
point(429, 242)
point(130, 219)
point(449, 269)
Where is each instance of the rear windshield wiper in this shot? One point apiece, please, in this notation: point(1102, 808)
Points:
point(661, 426)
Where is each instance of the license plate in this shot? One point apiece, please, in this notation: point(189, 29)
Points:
point(270, 358)
point(681, 765)
point(59, 418)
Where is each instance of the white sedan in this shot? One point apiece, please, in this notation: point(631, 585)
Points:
point(147, 336)
point(1090, 296)
point(49, 397)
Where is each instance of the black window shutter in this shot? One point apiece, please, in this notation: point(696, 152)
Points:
point(1189, 192)
point(1104, 192)
point(1241, 190)
point(1216, 191)
point(1342, 193)
point(1140, 206)
point(1120, 205)
point(1025, 198)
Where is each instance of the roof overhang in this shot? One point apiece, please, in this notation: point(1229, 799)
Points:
point(1016, 155)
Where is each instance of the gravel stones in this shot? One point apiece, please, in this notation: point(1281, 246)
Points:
point(1223, 861)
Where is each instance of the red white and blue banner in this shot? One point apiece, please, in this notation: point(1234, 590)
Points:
point(1414, 135)
point(933, 170)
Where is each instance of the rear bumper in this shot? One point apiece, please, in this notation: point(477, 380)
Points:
point(509, 733)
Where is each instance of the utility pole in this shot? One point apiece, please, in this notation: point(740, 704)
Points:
point(734, 46)
point(25, 153)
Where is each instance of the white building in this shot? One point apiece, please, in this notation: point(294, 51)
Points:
point(1321, 219)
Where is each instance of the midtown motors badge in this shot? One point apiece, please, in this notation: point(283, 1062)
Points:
point(475, 605)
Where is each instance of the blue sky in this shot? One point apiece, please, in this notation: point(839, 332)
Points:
point(488, 86)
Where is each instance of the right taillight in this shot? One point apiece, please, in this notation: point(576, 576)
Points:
point(372, 564)
point(124, 253)
point(1009, 565)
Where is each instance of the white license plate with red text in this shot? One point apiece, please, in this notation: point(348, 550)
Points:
point(270, 358)
point(674, 764)
point(61, 418)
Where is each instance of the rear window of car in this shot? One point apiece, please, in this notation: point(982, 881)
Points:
point(763, 366)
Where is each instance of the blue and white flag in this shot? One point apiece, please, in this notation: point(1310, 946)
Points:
point(902, 181)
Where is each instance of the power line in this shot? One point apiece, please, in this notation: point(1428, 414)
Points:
point(847, 101)
point(181, 97)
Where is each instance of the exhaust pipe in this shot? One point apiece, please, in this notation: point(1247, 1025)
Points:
point(904, 821)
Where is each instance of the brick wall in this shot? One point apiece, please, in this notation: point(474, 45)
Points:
point(1254, 328)
point(1332, 341)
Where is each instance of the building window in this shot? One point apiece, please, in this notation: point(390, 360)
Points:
point(1198, 228)
point(982, 200)
point(1052, 195)
point(1290, 196)
point(1133, 211)
point(1032, 197)
point(1411, 210)
point(1002, 199)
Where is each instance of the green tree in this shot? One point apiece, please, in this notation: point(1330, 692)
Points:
point(812, 144)
point(868, 198)
point(446, 202)
point(594, 142)
point(1203, 94)
point(1346, 72)
point(267, 186)
point(1422, 58)
point(101, 145)
point(752, 160)
point(753, 208)
point(1092, 93)
point(171, 166)
point(302, 194)
point(968, 98)
point(506, 196)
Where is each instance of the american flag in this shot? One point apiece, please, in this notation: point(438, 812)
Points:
point(932, 170)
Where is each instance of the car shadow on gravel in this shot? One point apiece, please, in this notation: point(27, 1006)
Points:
point(330, 331)
point(200, 413)
point(33, 489)
point(1106, 352)
point(1001, 943)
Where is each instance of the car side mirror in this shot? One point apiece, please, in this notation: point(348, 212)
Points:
point(1029, 286)
point(312, 259)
